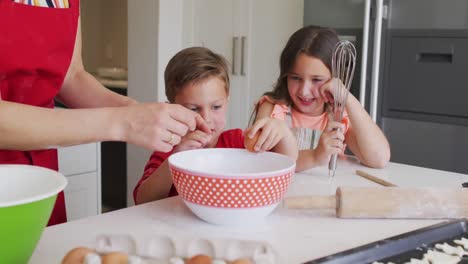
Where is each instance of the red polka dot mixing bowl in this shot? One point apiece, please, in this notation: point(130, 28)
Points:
point(231, 186)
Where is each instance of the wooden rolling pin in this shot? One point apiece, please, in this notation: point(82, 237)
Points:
point(374, 179)
point(388, 202)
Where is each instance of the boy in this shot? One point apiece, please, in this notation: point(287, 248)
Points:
point(198, 79)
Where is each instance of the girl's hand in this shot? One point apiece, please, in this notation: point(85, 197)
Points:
point(331, 142)
point(193, 140)
point(326, 91)
point(271, 131)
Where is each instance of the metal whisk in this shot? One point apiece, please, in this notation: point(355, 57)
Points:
point(343, 65)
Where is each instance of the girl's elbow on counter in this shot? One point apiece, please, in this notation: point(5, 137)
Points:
point(379, 160)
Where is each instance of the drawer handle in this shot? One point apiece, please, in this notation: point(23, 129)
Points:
point(242, 69)
point(234, 48)
point(428, 57)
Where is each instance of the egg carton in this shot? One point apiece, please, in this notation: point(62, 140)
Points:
point(169, 250)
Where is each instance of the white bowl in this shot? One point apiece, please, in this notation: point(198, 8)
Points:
point(231, 186)
point(112, 73)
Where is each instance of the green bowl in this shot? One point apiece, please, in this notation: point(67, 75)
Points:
point(27, 196)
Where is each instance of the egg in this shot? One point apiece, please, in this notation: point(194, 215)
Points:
point(199, 259)
point(114, 258)
point(249, 143)
point(77, 255)
point(242, 261)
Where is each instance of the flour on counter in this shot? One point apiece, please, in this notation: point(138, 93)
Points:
point(462, 242)
point(417, 261)
point(451, 250)
point(436, 257)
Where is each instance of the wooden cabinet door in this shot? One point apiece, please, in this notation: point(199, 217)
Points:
point(221, 25)
point(210, 23)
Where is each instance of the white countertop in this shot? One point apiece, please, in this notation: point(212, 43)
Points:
point(296, 235)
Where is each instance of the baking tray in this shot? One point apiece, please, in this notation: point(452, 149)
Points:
point(403, 247)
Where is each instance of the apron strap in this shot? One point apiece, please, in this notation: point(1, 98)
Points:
point(306, 138)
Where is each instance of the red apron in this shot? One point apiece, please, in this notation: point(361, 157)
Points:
point(36, 46)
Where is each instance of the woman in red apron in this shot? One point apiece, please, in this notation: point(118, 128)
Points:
point(35, 53)
point(39, 49)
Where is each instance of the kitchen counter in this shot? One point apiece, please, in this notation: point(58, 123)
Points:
point(296, 235)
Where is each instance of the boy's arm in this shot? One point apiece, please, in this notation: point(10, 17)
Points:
point(287, 145)
point(156, 186)
point(264, 110)
point(305, 159)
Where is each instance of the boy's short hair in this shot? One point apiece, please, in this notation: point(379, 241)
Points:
point(192, 65)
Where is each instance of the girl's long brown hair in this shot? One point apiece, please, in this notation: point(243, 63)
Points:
point(315, 41)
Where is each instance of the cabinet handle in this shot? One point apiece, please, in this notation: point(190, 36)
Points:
point(435, 57)
point(234, 48)
point(242, 69)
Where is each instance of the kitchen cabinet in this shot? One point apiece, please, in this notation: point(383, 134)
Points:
point(81, 165)
point(114, 166)
point(250, 35)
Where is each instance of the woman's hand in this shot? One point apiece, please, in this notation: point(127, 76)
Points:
point(271, 130)
point(331, 142)
point(193, 140)
point(157, 126)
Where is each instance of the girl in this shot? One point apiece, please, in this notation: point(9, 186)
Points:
point(301, 98)
point(198, 79)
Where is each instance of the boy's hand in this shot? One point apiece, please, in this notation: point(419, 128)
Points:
point(193, 140)
point(271, 131)
point(331, 142)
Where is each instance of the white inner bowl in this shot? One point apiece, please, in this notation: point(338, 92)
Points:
point(21, 184)
point(231, 163)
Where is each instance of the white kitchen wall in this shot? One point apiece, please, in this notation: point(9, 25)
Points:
point(153, 38)
point(142, 75)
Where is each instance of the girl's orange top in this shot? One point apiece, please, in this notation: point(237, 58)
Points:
point(306, 128)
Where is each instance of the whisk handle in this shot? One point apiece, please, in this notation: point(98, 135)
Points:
point(332, 165)
point(332, 162)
